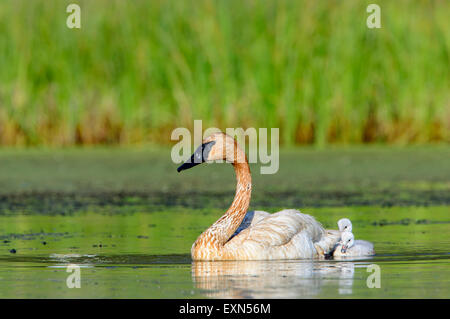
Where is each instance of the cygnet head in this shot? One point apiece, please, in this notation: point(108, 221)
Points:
point(347, 240)
point(217, 146)
point(345, 225)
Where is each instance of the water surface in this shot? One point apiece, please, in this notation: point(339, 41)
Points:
point(128, 220)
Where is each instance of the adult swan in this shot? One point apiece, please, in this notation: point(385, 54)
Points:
point(287, 234)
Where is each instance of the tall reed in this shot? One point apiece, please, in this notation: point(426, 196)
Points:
point(137, 69)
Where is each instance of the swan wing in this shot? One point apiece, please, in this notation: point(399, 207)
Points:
point(279, 228)
point(328, 242)
point(251, 218)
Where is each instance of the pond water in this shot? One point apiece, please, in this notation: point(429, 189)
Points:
point(128, 221)
point(145, 255)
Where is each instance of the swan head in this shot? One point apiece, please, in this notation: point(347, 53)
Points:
point(345, 225)
point(347, 240)
point(216, 147)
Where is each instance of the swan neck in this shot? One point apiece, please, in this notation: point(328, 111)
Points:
point(225, 227)
point(236, 212)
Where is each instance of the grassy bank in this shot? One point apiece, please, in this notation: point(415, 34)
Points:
point(54, 181)
point(136, 70)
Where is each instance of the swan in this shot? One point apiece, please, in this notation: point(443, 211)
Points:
point(351, 247)
point(287, 234)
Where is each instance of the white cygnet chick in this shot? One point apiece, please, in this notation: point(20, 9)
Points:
point(348, 246)
point(332, 237)
point(345, 225)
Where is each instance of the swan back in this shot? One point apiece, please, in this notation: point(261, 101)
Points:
point(287, 234)
point(279, 228)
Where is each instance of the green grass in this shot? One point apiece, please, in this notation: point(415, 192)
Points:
point(138, 69)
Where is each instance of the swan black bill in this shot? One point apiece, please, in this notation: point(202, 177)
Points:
point(200, 156)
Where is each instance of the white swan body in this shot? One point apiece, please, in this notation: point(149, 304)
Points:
point(252, 217)
point(349, 247)
point(243, 235)
point(287, 234)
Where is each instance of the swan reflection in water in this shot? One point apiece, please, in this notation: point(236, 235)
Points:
point(272, 279)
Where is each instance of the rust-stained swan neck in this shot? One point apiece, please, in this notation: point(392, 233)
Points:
point(241, 200)
point(210, 245)
point(231, 220)
point(243, 175)
point(215, 237)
